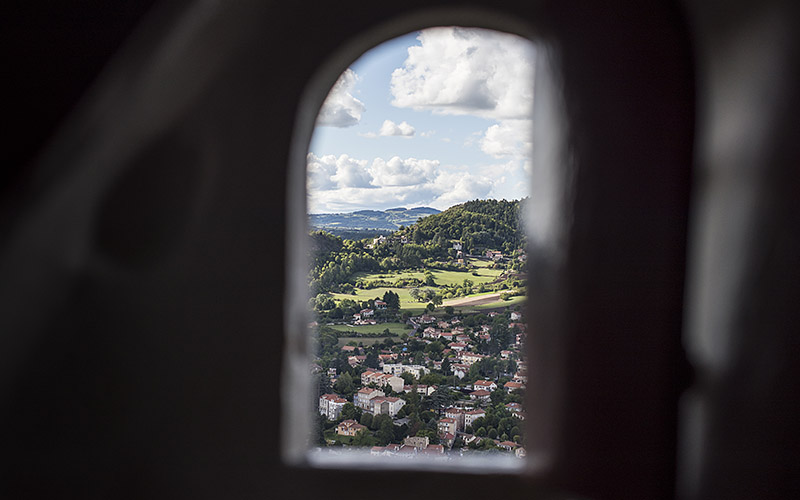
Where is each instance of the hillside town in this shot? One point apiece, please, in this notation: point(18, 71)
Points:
point(452, 385)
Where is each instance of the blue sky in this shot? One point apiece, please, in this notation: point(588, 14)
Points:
point(433, 118)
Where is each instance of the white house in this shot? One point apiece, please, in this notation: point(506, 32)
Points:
point(486, 385)
point(459, 370)
point(447, 425)
point(473, 415)
point(386, 405)
point(331, 406)
point(399, 369)
point(363, 397)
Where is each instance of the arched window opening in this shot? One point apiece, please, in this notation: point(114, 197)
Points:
point(418, 183)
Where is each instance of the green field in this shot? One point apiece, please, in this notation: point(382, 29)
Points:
point(406, 302)
point(441, 277)
point(513, 301)
point(397, 328)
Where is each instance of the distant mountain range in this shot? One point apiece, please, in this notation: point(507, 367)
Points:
point(362, 220)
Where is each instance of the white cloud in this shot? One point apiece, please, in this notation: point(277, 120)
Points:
point(340, 108)
point(509, 138)
point(329, 172)
point(399, 172)
point(344, 184)
point(467, 71)
point(391, 128)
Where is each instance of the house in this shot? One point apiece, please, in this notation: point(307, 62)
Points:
point(487, 385)
point(468, 358)
point(364, 396)
point(506, 354)
point(447, 425)
point(418, 442)
point(349, 348)
point(399, 369)
point(383, 405)
point(383, 358)
point(459, 370)
point(448, 439)
point(382, 379)
point(458, 346)
point(379, 304)
point(480, 395)
point(425, 390)
point(457, 245)
point(430, 333)
point(349, 428)
point(432, 449)
point(427, 318)
point(356, 360)
point(448, 336)
point(508, 445)
point(473, 415)
point(512, 386)
point(331, 405)
point(516, 410)
point(457, 414)
point(515, 316)
point(366, 313)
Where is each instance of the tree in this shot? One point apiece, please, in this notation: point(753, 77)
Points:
point(344, 384)
point(351, 411)
point(449, 310)
point(392, 299)
point(371, 360)
point(429, 280)
point(430, 307)
point(480, 432)
point(366, 419)
point(363, 438)
point(492, 434)
point(415, 294)
point(386, 432)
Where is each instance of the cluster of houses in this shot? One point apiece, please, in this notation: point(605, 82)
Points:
point(460, 350)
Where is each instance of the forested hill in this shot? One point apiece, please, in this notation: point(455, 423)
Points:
point(489, 224)
point(365, 223)
point(477, 225)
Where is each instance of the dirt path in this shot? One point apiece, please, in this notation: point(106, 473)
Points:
point(473, 301)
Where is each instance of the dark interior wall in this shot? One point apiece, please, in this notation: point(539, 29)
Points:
point(741, 436)
point(142, 269)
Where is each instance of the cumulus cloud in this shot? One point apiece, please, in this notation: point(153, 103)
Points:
point(330, 172)
point(402, 172)
point(509, 138)
point(391, 128)
point(340, 108)
point(467, 71)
